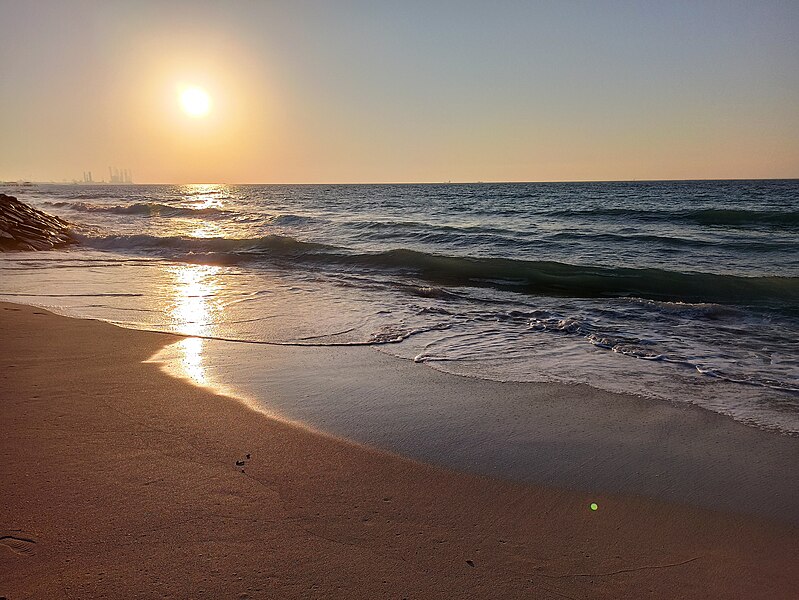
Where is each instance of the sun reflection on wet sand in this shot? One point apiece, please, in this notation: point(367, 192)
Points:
point(191, 361)
point(196, 311)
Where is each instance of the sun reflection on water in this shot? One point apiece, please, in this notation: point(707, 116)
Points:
point(208, 212)
point(207, 230)
point(205, 195)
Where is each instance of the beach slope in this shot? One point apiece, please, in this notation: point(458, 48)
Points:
point(120, 481)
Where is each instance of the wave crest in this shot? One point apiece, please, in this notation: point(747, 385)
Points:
point(275, 243)
point(707, 217)
point(152, 209)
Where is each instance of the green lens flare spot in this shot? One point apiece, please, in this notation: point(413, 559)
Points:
point(594, 506)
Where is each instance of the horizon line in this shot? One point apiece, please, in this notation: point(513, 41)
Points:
point(438, 182)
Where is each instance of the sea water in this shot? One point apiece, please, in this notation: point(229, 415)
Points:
point(678, 291)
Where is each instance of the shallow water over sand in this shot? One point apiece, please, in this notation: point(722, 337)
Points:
point(686, 292)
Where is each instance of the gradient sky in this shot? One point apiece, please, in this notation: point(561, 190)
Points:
point(400, 91)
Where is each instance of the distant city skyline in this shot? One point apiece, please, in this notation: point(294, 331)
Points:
point(115, 175)
point(370, 92)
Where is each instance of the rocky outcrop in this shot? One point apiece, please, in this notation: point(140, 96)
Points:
point(25, 228)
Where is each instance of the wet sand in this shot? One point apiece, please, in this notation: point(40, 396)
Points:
point(120, 481)
point(570, 436)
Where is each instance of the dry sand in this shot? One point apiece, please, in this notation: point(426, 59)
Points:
point(119, 481)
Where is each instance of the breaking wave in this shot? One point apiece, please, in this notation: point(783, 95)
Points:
point(531, 277)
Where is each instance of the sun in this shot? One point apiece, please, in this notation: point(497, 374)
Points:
point(195, 101)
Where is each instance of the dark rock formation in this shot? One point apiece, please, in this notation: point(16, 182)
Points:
point(25, 228)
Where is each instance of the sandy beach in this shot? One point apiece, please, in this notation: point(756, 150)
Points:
point(403, 301)
point(122, 482)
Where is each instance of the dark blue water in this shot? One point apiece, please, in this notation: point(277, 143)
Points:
point(679, 290)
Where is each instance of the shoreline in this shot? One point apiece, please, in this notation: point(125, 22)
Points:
point(123, 481)
point(571, 436)
point(220, 388)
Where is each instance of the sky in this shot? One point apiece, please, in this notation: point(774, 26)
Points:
point(411, 91)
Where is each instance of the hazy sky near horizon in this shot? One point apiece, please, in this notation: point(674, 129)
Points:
point(400, 91)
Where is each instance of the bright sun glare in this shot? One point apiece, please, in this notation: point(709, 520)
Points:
point(195, 102)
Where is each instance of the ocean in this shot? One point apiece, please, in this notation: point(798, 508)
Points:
point(683, 292)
